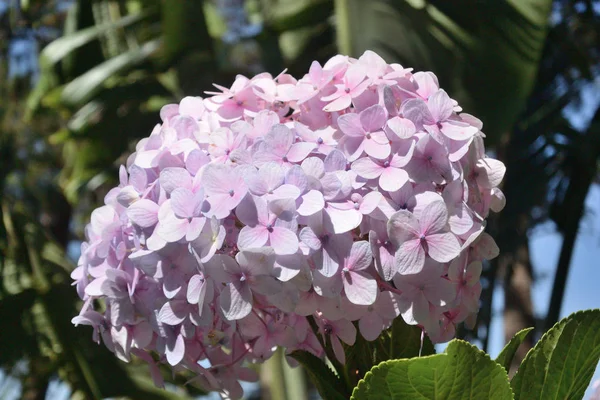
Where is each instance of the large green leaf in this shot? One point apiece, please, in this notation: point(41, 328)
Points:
point(485, 53)
point(462, 372)
point(562, 363)
point(84, 87)
point(329, 385)
point(63, 46)
point(507, 354)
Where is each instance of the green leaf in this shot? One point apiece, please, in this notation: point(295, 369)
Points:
point(508, 352)
point(63, 46)
point(406, 341)
point(462, 372)
point(291, 15)
point(474, 47)
point(84, 87)
point(329, 385)
point(562, 363)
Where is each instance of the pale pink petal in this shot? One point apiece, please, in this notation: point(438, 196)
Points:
point(392, 179)
point(350, 125)
point(371, 326)
point(283, 241)
point(265, 284)
point(253, 237)
point(401, 128)
point(236, 301)
point(171, 228)
point(490, 172)
point(175, 350)
point(299, 151)
point(360, 256)
point(377, 150)
point(443, 247)
point(417, 311)
point(434, 218)
point(457, 130)
point(461, 220)
point(173, 312)
point(440, 105)
point(344, 220)
point(373, 118)
point(367, 168)
point(402, 226)
point(286, 192)
point(172, 178)
point(143, 213)
point(196, 289)
point(194, 228)
point(280, 139)
point(272, 175)
point(182, 202)
point(338, 350)
point(410, 257)
point(339, 104)
point(310, 239)
point(312, 203)
point(345, 330)
point(370, 202)
point(220, 267)
point(360, 288)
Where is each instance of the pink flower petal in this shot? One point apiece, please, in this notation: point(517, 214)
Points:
point(299, 151)
point(367, 168)
point(377, 150)
point(175, 350)
point(143, 213)
point(443, 247)
point(236, 301)
point(434, 218)
point(402, 226)
point(360, 288)
point(283, 241)
point(344, 220)
point(312, 203)
point(373, 118)
point(410, 257)
point(182, 202)
point(173, 312)
point(392, 179)
point(370, 326)
point(253, 237)
point(173, 177)
point(339, 104)
point(350, 125)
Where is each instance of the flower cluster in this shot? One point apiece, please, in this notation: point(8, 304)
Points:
point(352, 196)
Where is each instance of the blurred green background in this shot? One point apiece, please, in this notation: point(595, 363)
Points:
point(82, 80)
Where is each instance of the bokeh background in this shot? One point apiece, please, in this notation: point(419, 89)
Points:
point(82, 80)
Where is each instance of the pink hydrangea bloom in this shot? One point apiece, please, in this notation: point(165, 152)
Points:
point(355, 195)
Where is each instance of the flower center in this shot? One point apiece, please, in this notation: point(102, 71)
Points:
point(231, 192)
point(347, 90)
point(320, 140)
point(386, 164)
point(328, 329)
point(270, 228)
point(284, 158)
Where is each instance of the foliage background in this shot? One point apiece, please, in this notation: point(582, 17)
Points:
point(82, 80)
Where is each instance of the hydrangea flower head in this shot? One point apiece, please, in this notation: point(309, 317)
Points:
point(353, 196)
